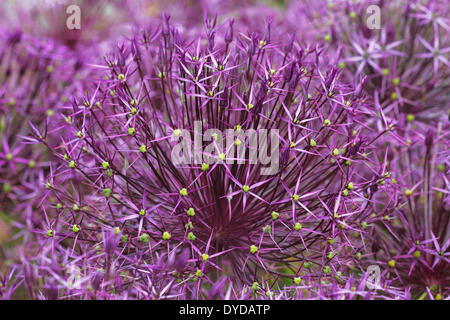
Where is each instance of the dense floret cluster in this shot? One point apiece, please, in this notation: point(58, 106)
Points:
point(228, 156)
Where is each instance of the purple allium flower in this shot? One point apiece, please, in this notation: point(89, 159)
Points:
point(214, 221)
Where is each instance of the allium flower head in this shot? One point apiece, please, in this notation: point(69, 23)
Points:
point(201, 210)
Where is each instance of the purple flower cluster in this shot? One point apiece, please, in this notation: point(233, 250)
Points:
point(127, 172)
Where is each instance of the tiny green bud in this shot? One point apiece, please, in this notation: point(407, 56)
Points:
point(143, 148)
point(191, 212)
point(191, 236)
point(275, 215)
point(253, 249)
point(6, 187)
point(298, 226)
point(105, 165)
point(183, 192)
